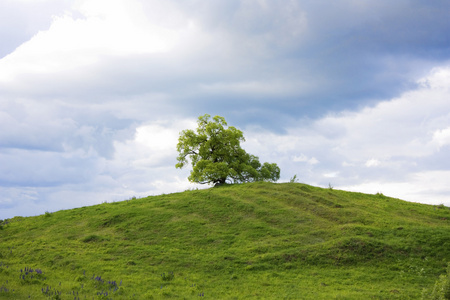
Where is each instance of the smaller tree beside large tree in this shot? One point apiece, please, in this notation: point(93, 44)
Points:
point(217, 157)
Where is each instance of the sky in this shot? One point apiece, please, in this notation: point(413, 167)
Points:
point(94, 93)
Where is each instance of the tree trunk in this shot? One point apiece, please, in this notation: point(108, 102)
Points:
point(220, 182)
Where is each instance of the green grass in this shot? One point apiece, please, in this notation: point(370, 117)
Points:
point(248, 241)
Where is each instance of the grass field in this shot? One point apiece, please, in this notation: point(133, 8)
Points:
point(247, 241)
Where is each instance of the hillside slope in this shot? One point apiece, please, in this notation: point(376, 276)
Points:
point(256, 240)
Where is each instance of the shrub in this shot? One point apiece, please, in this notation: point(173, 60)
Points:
point(294, 179)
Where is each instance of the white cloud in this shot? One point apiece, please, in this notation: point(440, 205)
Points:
point(429, 187)
point(372, 163)
point(142, 165)
point(378, 148)
point(154, 145)
point(404, 124)
point(304, 158)
point(112, 28)
point(330, 174)
point(442, 137)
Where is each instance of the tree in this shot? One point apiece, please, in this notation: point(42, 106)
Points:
point(216, 155)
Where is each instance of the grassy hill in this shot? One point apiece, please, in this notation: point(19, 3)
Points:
point(248, 241)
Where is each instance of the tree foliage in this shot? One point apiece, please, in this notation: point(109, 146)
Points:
point(215, 152)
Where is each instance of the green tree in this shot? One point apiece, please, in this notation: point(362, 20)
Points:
point(216, 155)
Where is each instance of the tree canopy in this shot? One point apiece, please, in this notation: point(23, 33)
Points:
point(217, 157)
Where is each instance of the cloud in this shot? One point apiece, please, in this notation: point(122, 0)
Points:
point(372, 163)
point(154, 144)
point(21, 19)
point(442, 137)
point(304, 158)
point(144, 164)
point(73, 43)
point(427, 187)
point(94, 93)
point(266, 53)
point(386, 147)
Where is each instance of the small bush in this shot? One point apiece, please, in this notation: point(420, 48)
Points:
point(294, 179)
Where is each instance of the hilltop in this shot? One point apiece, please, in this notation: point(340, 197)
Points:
point(255, 240)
